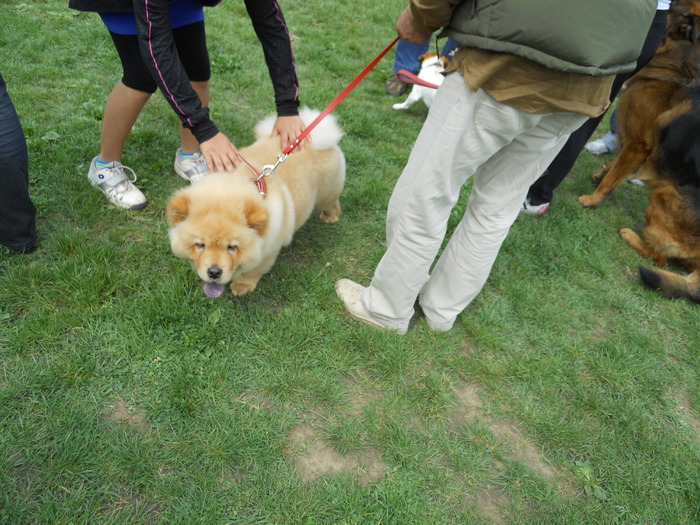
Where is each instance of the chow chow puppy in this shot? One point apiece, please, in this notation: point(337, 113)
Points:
point(232, 233)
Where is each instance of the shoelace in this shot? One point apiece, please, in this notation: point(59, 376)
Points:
point(123, 185)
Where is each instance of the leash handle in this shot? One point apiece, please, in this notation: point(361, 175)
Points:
point(339, 98)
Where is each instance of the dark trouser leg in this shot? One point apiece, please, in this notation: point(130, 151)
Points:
point(17, 212)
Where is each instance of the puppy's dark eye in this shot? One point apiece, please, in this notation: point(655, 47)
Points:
point(199, 246)
point(232, 248)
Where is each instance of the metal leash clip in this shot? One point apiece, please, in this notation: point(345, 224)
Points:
point(269, 169)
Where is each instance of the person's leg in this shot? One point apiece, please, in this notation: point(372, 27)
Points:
point(406, 57)
point(542, 190)
point(191, 44)
point(449, 149)
point(122, 109)
point(407, 54)
point(17, 211)
point(613, 122)
point(126, 100)
point(494, 202)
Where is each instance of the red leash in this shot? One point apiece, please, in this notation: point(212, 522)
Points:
point(270, 168)
point(410, 78)
point(339, 98)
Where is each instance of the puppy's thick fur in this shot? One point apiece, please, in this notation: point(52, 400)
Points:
point(673, 215)
point(230, 233)
point(662, 84)
point(432, 66)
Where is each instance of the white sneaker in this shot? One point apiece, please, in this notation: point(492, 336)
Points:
point(192, 167)
point(349, 292)
point(114, 183)
point(608, 143)
point(534, 209)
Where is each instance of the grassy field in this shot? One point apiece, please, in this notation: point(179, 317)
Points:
point(565, 394)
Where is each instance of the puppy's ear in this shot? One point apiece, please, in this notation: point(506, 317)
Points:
point(178, 209)
point(256, 216)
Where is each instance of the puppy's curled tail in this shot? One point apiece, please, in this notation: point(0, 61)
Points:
point(326, 134)
point(672, 285)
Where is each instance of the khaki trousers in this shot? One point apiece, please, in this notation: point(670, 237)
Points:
point(466, 133)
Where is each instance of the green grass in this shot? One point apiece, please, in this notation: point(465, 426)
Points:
point(566, 393)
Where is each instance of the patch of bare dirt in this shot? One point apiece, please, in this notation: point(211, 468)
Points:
point(314, 456)
point(469, 409)
point(492, 504)
point(685, 407)
point(135, 418)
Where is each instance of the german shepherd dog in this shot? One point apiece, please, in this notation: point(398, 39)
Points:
point(661, 85)
point(673, 214)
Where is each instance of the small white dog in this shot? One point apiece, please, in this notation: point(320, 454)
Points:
point(432, 66)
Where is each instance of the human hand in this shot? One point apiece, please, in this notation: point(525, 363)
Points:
point(288, 129)
point(220, 153)
point(406, 31)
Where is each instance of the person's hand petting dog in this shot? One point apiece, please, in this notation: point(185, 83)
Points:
point(220, 153)
point(288, 129)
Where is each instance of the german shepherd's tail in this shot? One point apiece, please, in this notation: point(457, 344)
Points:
point(673, 285)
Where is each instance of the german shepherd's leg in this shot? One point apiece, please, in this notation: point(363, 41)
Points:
point(627, 162)
point(597, 177)
point(641, 247)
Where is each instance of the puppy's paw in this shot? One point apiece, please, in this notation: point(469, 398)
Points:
point(589, 201)
point(243, 285)
point(597, 177)
point(400, 106)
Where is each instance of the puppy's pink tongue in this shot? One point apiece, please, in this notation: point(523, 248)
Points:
point(213, 290)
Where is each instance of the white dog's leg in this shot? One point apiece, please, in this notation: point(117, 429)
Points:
point(413, 97)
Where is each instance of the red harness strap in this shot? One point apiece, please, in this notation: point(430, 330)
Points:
point(259, 179)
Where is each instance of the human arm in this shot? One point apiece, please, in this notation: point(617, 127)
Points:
point(421, 18)
point(270, 27)
point(160, 56)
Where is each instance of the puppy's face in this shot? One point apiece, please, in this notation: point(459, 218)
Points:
point(221, 239)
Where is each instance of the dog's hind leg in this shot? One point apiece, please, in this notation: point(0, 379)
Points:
point(627, 162)
point(331, 212)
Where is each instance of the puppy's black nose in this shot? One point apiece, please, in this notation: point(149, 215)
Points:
point(214, 272)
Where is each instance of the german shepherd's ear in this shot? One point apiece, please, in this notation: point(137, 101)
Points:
point(178, 209)
point(256, 216)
